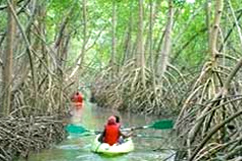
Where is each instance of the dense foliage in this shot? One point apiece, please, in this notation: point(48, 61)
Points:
point(152, 57)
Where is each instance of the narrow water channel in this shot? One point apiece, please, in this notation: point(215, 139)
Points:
point(76, 148)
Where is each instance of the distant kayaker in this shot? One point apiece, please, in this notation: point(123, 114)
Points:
point(112, 133)
point(77, 99)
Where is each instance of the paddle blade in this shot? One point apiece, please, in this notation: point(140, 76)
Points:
point(162, 124)
point(71, 128)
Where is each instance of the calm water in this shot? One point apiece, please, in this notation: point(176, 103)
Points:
point(76, 148)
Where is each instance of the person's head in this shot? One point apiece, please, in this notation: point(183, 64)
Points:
point(117, 119)
point(77, 93)
point(111, 120)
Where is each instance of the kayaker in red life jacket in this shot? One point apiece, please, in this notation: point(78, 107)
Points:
point(112, 133)
point(77, 99)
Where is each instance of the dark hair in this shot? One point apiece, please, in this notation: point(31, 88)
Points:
point(117, 118)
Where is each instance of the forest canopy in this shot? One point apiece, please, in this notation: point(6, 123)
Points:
point(168, 58)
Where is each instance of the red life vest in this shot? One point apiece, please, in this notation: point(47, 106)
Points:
point(78, 98)
point(111, 134)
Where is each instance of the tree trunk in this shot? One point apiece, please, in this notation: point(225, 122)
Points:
point(208, 11)
point(151, 44)
point(29, 51)
point(8, 67)
point(128, 41)
point(81, 58)
point(8, 60)
point(166, 48)
point(214, 33)
point(140, 61)
point(113, 55)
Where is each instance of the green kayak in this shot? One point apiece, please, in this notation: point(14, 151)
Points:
point(104, 148)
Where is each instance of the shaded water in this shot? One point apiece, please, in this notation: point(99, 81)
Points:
point(76, 148)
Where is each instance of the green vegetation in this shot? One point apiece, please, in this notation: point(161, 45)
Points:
point(165, 58)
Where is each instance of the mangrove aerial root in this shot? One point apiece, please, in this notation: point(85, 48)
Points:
point(19, 136)
point(126, 90)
